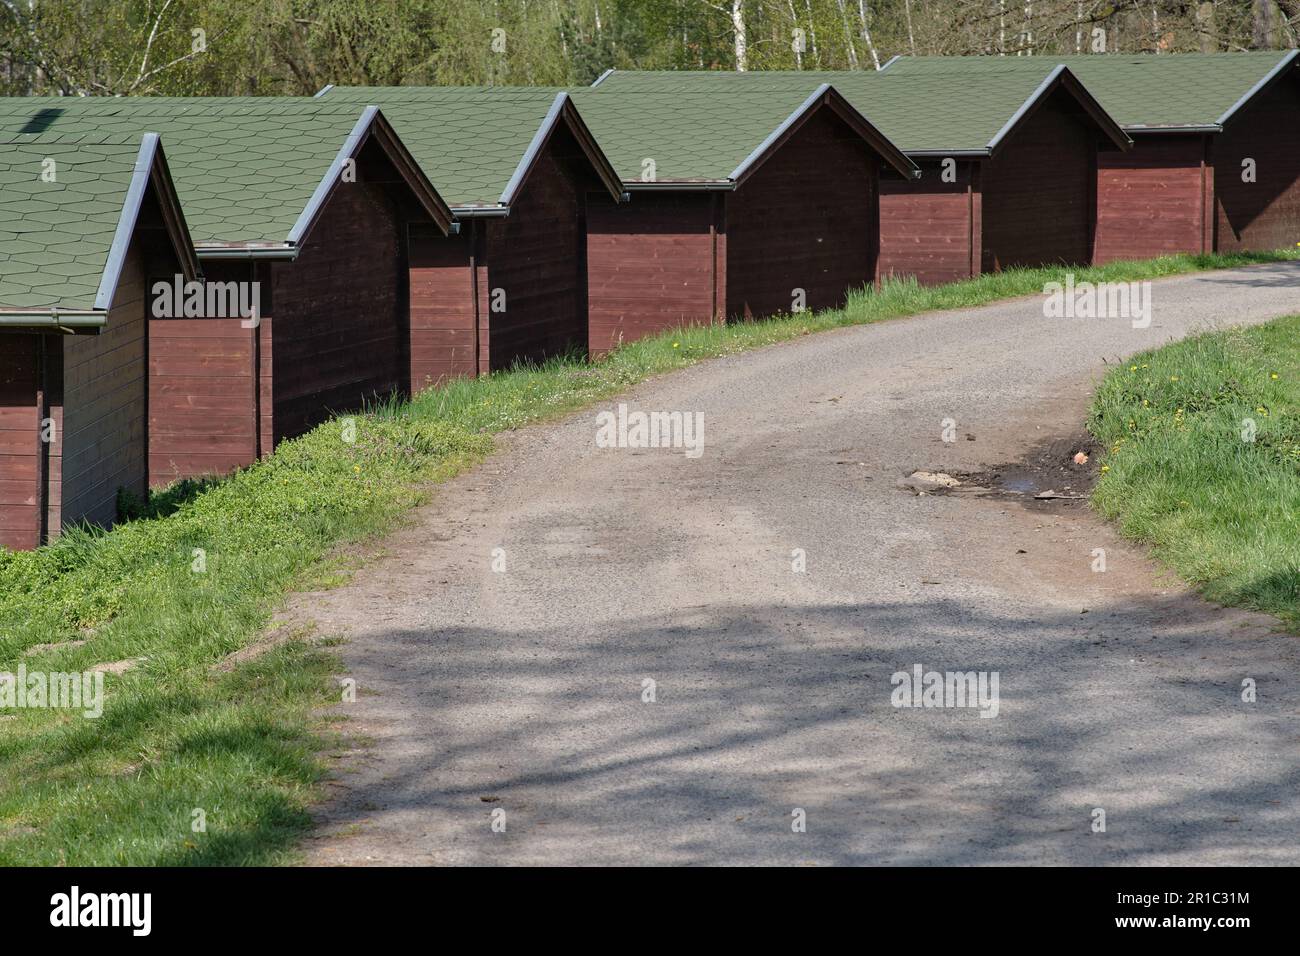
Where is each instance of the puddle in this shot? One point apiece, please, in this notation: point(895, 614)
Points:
point(1058, 471)
point(1020, 486)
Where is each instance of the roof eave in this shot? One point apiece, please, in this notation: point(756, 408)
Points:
point(1142, 130)
point(964, 153)
point(563, 110)
point(281, 251)
point(679, 185)
point(480, 212)
point(59, 320)
point(1060, 76)
point(371, 124)
point(1271, 77)
point(826, 95)
point(150, 169)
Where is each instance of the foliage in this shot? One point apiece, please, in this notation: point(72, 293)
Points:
point(103, 47)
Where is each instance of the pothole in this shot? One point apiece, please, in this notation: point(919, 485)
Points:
point(1061, 470)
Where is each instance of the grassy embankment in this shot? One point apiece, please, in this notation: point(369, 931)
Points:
point(1203, 461)
point(178, 734)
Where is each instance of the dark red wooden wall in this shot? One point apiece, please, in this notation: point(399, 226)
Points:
point(334, 335)
point(929, 228)
point(805, 219)
point(651, 264)
point(101, 446)
point(1265, 214)
point(446, 271)
point(20, 445)
point(341, 320)
point(1151, 201)
point(203, 409)
point(537, 262)
point(1038, 190)
point(507, 289)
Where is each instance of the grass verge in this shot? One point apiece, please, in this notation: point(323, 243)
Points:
point(1203, 461)
point(198, 573)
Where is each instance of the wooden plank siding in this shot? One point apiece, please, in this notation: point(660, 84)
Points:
point(444, 337)
point(651, 264)
point(532, 262)
point(1151, 200)
point(20, 445)
point(1033, 203)
point(203, 411)
point(806, 219)
point(105, 396)
point(1265, 214)
point(340, 314)
point(334, 335)
point(927, 226)
point(1037, 191)
point(202, 415)
point(536, 262)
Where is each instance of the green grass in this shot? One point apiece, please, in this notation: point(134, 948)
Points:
point(1181, 474)
point(179, 735)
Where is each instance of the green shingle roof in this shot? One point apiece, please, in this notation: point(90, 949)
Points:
point(1142, 91)
point(55, 236)
point(244, 168)
point(691, 133)
point(918, 112)
point(468, 140)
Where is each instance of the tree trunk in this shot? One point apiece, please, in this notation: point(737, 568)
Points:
point(866, 33)
point(1262, 23)
point(798, 51)
point(738, 30)
point(1205, 28)
point(848, 37)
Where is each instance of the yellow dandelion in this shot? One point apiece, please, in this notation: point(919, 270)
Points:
point(1105, 467)
point(1173, 378)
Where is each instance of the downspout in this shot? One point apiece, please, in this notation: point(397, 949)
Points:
point(473, 286)
point(1209, 217)
point(42, 446)
point(971, 265)
point(256, 349)
point(713, 257)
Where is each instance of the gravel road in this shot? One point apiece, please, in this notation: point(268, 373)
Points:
point(518, 695)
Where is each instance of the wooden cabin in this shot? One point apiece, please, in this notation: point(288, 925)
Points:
point(1008, 167)
point(521, 172)
point(308, 205)
point(1215, 165)
point(85, 225)
point(774, 210)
